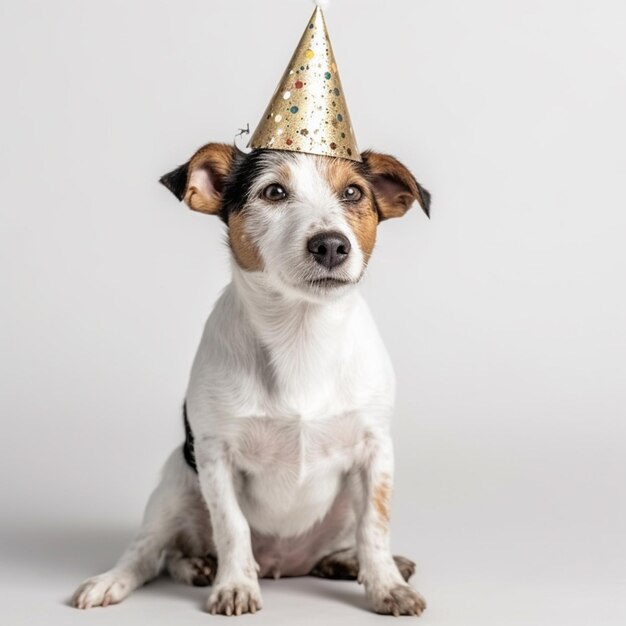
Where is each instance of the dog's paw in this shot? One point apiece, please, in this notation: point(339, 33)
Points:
point(397, 600)
point(235, 598)
point(198, 571)
point(108, 588)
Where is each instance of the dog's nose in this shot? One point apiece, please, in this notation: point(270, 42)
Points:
point(329, 249)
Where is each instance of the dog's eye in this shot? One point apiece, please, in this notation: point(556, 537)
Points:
point(274, 192)
point(352, 194)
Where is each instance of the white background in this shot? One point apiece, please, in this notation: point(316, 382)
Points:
point(504, 314)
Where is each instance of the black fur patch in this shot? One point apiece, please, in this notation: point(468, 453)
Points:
point(246, 169)
point(188, 450)
point(176, 180)
point(425, 199)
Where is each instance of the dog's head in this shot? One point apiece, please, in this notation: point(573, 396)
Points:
point(307, 222)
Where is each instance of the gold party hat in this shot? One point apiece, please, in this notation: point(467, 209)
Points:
point(308, 111)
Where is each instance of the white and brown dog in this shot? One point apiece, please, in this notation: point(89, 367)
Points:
point(287, 466)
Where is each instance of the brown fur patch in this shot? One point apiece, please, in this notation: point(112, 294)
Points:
point(244, 250)
point(362, 216)
point(216, 159)
point(364, 223)
point(340, 173)
point(381, 500)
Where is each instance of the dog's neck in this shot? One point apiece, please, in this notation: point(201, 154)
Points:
point(306, 342)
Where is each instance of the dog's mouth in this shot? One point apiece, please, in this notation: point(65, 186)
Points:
point(321, 286)
point(329, 282)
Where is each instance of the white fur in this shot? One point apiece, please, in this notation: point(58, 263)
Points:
point(290, 398)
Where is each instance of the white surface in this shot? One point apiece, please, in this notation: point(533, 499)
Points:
point(504, 314)
point(42, 565)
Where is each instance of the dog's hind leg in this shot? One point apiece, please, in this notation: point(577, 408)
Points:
point(344, 565)
point(341, 565)
point(144, 558)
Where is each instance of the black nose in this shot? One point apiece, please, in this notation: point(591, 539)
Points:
point(329, 249)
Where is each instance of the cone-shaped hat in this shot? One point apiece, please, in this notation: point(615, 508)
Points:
point(308, 111)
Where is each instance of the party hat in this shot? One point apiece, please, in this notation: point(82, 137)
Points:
point(308, 111)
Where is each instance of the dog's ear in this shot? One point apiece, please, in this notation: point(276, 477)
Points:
point(200, 181)
point(394, 186)
point(176, 180)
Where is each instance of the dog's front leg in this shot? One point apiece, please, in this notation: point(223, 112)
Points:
point(236, 587)
point(385, 587)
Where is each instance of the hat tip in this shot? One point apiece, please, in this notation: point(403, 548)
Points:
point(322, 4)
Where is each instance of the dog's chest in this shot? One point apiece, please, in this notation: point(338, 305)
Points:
point(292, 470)
point(297, 447)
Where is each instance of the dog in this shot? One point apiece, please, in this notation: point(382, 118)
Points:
point(287, 465)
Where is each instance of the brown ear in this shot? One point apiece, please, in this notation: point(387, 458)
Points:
point(394, 186)
point(200, 181)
